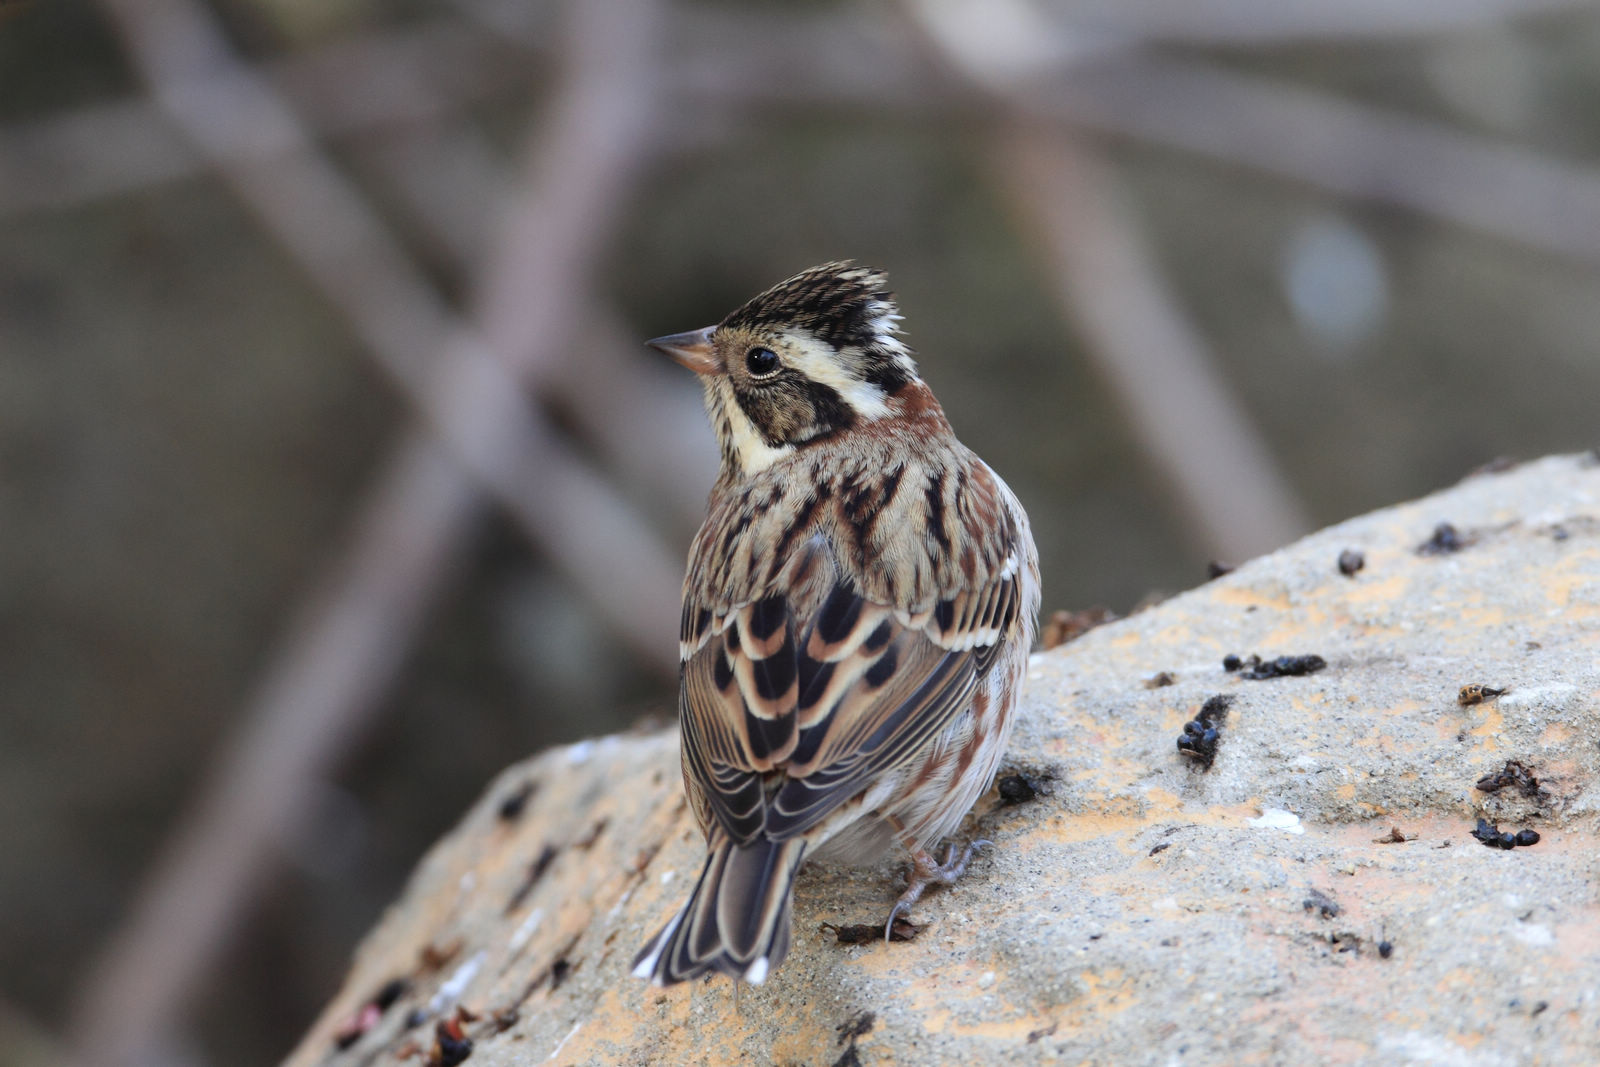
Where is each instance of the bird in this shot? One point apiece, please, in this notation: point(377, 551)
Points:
point(858, 611)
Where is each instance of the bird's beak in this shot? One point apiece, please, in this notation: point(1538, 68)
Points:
point(692, 349)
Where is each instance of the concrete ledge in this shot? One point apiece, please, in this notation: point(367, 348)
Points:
point(1139, 908)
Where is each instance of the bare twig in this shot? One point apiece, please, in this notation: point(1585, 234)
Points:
point(1345, 148)
point(1181, 410)
point(380, 80)
point(643, 417)
point(730, 63)
point(1255, 22)
point(1179, 406)
point(336, 663)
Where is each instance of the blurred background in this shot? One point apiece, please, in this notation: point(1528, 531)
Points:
point(334, 477)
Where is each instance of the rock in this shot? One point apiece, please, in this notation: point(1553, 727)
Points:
point(1143, 908)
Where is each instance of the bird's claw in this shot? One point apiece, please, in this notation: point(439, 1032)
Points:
point(926, 871)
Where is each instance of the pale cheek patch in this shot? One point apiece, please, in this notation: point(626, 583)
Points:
point(818, 362)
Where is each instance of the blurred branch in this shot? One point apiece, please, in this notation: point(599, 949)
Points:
point(1269, 22)
point(1179, 406)
point(383, 79)
point(342, 656)
point(1184, 416)
point(643, 417)
point(730, 62)
point(1344, 148)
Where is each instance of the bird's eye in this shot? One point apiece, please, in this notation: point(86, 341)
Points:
point(760, 362)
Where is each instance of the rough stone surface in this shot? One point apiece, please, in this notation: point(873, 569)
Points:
point(1138, 909)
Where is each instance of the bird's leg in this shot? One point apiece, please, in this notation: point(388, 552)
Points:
point(926, 871)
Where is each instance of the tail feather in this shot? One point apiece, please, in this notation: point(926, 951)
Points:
point(737, 919)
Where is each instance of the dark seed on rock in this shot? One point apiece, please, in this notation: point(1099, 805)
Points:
point(1283, 667)
point(1160, 680)
point(1320, 902)
point(1445, 540)
point(871, 933)
point(1351, 561)
point(392, 990)
point(1231, 663)
point(1515, 774)
point(516, 802)
point(1527, 837)
point(1017, 789)
point(1385, 949)
point(450, 1045)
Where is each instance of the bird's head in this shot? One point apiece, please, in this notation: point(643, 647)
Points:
point(810, 358)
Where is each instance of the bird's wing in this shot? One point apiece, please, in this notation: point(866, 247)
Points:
point(794, 703)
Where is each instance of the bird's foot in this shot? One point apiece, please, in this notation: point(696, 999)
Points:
point(926, 871)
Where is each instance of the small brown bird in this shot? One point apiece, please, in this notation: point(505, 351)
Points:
point(857, 616)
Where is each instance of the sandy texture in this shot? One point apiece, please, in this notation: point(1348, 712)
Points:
point(1140, 909)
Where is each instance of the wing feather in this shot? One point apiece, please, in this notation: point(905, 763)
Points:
point(797, 699)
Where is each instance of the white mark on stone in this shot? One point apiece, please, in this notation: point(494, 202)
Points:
point(667, 876)
point(580, 752)
point(456, 984)
point(570, 1035)
point(621, 901)
point(1558, 695)
point(525, 932)
point(986, 979)
point(1279, 819)
point(1536, 934)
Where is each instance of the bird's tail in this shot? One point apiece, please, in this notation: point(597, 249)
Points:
point(737, 919)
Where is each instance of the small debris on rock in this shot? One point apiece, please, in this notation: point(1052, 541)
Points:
point(1445, 540)
point(1321, 903)
point(858, 1025)
point(1491, 836)
point(367, 1016)
point(1514, 775)
point(1477, 693)
point(1527, 837)
point(1021, 788)
point(1216, 569)
point(435, 957)
point(1201, 734)
point(536, 869)
point(867, 933)
point(1161, 847)
point(451, 1045)
point(1160, 680)
point(356, 1026)
point(1385, 949)
point(1257, 669)
point(1035, 1035)
point(586, 842)
point(516, 802)
point(1065, 626)
point(1351, 561)
point(1393, 837)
